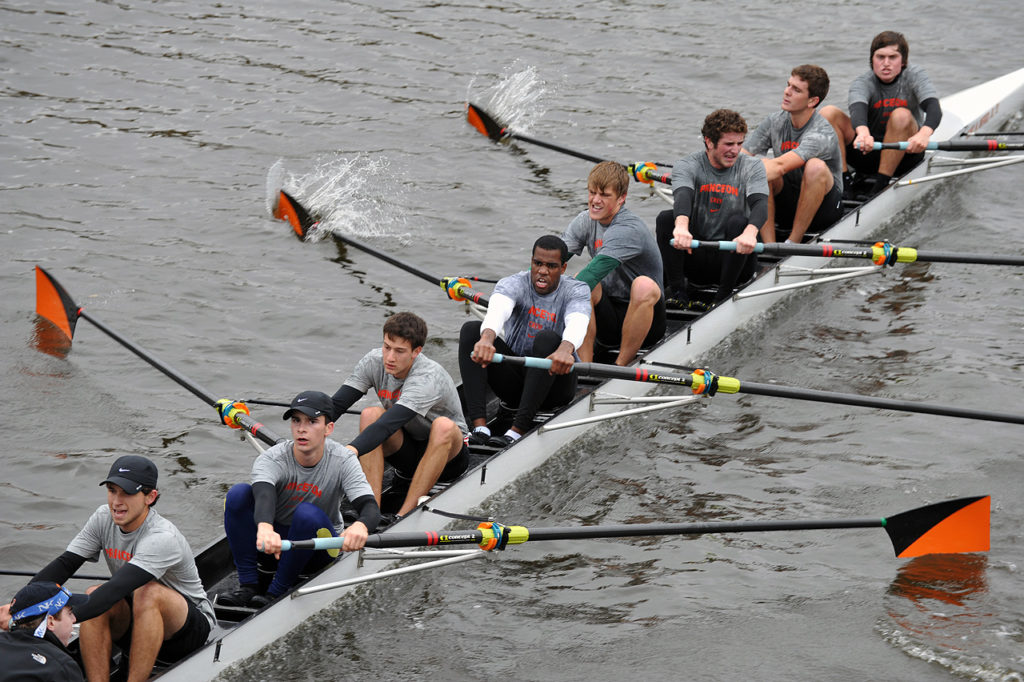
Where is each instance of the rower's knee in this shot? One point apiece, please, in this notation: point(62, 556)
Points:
point(369, 415)
point(902, 120)
point(445, 430)
point(645, 291)
point(816, 171)
point(149, 596)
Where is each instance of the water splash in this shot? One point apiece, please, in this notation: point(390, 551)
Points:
point(516, 100)
point(359, 197)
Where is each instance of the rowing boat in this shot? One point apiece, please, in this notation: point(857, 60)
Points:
point(242, 634)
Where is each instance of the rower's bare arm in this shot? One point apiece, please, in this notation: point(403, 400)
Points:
point(5, 616)
point(776, 167)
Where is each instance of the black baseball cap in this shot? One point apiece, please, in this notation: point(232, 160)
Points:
point(37, 594)
point(132, 473)
point(312, 404)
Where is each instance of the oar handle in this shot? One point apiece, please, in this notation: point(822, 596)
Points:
point(880, 254)
point(958, 146)
point(721, 246)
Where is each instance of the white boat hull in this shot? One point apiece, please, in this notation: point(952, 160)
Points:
point(982, 107)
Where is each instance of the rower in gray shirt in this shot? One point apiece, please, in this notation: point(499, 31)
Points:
point(894, 101)
point(625, 271)
point(718, 194)
point(805, 175)
point(418, 428)
point(539, 313)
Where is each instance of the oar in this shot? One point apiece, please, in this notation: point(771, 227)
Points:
point(290, 210)
point(55, 304)
point(960, 525)
point(706, 382)
point(488, 126)
point(959, 145)
point(881, 253)
point(76, 576)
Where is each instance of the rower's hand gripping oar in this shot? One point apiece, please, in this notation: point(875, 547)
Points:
point(55, 304)
point(960, 525)
point(958, 146)
point(289, 209)
point(881, 253)
point(642, 171)
point(705, 382)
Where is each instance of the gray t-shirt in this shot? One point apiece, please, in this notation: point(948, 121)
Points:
point(337, 473)
point(534, 312)
point(427, 390)
point(156, 547)
point(816, 139)
point(907, 90)
point(626, 239)
point(718, 192)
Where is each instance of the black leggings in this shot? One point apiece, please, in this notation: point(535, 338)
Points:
point(704, 267)
point(530, 389)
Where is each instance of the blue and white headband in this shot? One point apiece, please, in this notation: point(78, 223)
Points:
point(51, 607)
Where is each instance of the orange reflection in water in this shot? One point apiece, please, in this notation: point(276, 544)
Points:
point(942, 598)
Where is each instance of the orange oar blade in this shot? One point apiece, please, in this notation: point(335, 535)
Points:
point(482, 121)
point(950, 527)
point(295, 214)
point(54, 304)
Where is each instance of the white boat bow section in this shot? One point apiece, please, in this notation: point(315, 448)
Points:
point(979, 108)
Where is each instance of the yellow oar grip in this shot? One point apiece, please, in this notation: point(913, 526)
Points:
point(728, 385)
point(517, 535)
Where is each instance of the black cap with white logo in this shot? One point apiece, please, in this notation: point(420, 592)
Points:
point(312, 404)
point(132, 473)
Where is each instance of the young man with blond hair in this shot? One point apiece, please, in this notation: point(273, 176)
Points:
point(625, 270)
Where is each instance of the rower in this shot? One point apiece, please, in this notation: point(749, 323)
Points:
point(296, 492)
point(41, 624)
point(536, 312)
point(894, 101)
point(805, 173)
point(624, 274)
point(418, 428)
point(154, 605)
point(719, 194)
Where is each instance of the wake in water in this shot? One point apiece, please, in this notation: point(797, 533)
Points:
point(516, 99)
point(358, 197)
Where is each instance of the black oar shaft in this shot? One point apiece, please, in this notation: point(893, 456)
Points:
point(709, 383)
point(814, 395)
point(412, 269)
point(472, 537)
point(245, 421)
point(896, 254)
point(558, 148)
point(182, 380)
point(76, 576)
point(959, 525)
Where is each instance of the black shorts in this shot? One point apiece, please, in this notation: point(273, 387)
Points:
point(191, 636)
point(867, 164)
point(829, 212)
point(407, 458)
point(610, 314)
